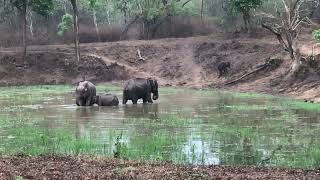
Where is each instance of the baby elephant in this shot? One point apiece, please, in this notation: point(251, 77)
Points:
point(223, 68)
point(106, 100)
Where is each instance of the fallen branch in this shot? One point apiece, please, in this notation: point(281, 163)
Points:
point(140, 57)
point(259, 68)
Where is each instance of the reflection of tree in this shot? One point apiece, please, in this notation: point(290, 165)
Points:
point(83, 116)
point(152, 137)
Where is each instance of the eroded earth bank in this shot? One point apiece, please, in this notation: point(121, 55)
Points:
point(190, 62)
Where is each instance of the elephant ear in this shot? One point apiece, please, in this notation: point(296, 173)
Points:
point(86, 85)
point(154, 84)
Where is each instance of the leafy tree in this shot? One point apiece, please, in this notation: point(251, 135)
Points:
point(42, 7)
point(153, 13)
point(76, 28)
point(244, 7)
point(65, 24)
point(93, 6)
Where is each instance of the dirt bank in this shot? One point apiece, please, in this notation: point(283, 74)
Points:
point(190, 62)
point(55, 167)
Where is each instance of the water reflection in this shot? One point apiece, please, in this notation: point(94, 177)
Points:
point(148, 111)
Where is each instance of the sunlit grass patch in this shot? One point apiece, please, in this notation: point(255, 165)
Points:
point(296, 104)
point(254, 107)
point(31, 141)
point(11, 91)
point(109, 89)
point(171, 90)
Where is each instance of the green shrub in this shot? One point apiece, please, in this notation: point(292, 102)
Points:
point(65, 24)
point(316, 35)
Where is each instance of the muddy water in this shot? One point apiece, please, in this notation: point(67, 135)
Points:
point(183, 126)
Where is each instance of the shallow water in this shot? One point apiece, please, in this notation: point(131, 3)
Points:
point(183, 126)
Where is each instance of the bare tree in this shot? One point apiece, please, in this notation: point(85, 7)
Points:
point(287, 23)
point(76, 28)
point(24, 31)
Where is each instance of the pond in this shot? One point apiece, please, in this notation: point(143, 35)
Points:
point(184, 126)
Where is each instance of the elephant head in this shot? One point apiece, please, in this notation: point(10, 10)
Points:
point(82, 89)
point(85, 89)
point(154, 88)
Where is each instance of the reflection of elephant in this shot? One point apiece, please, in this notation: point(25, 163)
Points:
point(142, 111)
point(106, 100)
point(85, 93)
point(138, 88)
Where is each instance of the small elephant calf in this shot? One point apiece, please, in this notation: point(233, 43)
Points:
point(106, 100)
point(223, 68)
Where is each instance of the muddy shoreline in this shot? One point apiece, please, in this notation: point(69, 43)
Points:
point(65, 167)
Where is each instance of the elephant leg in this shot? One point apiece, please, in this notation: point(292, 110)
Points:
point(124, 98)
point(88, 101)
point(79, 101)
point(148, 97)
point(134, 100)
point(145, 100)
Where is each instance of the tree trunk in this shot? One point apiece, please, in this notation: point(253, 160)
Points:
point(201, 11)
point(125, 17)
point(108, 17)
point(30, 24)
point(96, 24)
point(76, 28)
point(107, 12)
point(246, 20)
point(295, 62)
point(24, 29)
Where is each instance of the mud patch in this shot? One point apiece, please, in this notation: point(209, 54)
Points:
point(58, 167)
point(57, 68)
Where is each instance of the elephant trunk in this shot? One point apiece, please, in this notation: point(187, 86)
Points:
point(155, 96)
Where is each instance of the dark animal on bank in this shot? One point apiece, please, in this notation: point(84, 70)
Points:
point(106, 100)
point(85, 92)
point(223, 68)
point(139, 88)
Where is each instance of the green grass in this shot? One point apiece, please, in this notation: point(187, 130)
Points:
point(294, 104)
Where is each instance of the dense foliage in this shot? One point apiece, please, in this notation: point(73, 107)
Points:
point(65, 24)
point(316, 35)
point(244, 7)
point(103, 20)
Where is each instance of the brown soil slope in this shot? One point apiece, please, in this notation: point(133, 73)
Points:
point(190, 62)
point(53, 167)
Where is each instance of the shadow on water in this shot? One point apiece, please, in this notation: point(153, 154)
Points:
point(194, 127)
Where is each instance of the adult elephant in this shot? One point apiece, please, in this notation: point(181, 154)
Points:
point(139, 88)
point(85, 93)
